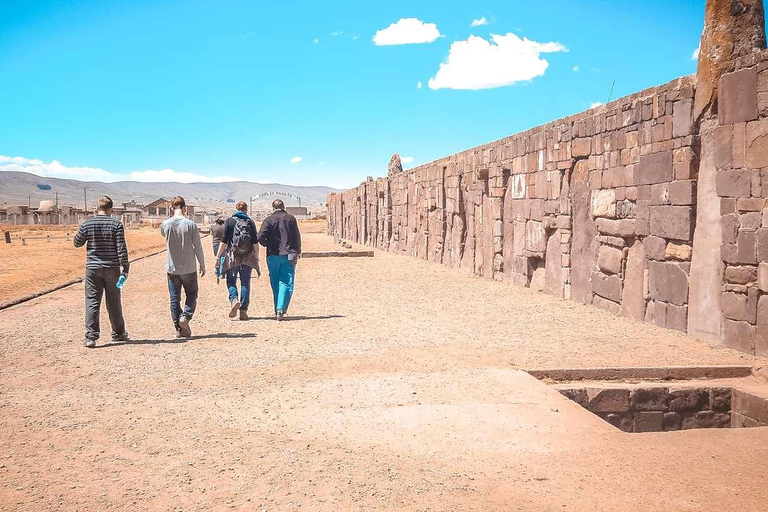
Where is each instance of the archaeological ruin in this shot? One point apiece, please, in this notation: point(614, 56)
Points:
point(652, 206)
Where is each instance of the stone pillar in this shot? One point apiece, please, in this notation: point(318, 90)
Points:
point(732, 28)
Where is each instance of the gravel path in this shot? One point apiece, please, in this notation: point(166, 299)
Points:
point(393, 386)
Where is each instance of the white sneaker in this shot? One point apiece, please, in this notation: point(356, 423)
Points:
point(184, 328)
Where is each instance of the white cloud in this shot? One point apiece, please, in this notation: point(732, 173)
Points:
point(479, 22)
point(316, 41)
point(407, 31)
point(338, 33)
point(480, 64)
point(418, 85)
point(576, 69)
point(695, 55)
point(296, 159)
point(169, 175)
point(355, 37)
point(406, 160)
point(596, 104)
point(56, 169)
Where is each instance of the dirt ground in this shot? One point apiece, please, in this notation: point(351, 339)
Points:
point(396, 385)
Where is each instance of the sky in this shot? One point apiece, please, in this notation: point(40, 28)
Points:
point(310, 93)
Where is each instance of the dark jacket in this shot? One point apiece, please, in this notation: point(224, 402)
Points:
point(280, 234)
point(231, 260)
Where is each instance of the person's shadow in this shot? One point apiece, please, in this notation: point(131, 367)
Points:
point(294, 318)
point(178, 340)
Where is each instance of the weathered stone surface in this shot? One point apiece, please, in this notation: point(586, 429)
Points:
point(553, 282)
point(706, 419)
point(603, 203)
point(622, 421)
point(608, 399)
point(651, 421)
point(535, 237)
point(723, 146)
point(735, 307)
point(743, 274)
point(757, 144)
point(584, 243)
point(654, 168)
point(608, 287)
point(677, 317)
point(688, 399)
point(655, 247)
point(682, 118)
point(720, 399)
point(581, 147)
point(672, 421)
point(750, 405)
point(619, 228)
point(733, 183)
point(680, 252)
point(761, 340)
point(632, 298)
point(649, 399)
point(538, 279)
point(395, 165)
point(674, 222)
point(668, 282)
point(578, 395)
point(682, 192)
point(518, 186)
point(739, 335)
point(737, 100)
point(609, 259)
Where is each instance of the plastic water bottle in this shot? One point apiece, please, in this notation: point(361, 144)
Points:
point(121, 281)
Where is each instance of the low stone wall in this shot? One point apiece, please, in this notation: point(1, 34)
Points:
point(668, 408)
point(602, 207)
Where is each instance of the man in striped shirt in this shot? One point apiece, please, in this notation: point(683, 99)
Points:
point(107, 252)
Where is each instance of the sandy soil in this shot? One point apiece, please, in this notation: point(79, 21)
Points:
point(395, 386)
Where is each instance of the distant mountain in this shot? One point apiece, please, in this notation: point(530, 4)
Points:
point(16, 188)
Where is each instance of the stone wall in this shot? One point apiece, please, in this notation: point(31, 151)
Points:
point(601, 208)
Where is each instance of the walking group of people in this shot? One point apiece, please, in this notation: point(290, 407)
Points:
point(236, 251)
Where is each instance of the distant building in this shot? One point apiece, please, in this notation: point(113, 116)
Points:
point(297, 211)
point(159, 208)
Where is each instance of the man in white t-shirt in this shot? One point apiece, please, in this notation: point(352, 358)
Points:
point(182, 238)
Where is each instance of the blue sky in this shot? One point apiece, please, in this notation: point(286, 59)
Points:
point(237, 88)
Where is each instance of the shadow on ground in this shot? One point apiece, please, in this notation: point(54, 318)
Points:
point(177, 340)
point(293, 318)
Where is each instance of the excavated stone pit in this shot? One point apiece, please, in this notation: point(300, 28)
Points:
point(651, 407)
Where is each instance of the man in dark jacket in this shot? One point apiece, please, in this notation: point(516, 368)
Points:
point(240, 256)
point(107, 252)
point(280, 235)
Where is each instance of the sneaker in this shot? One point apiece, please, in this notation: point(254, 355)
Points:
point(179, 335)
point(184, 328)
point(235, 308)
point(90, 343)
point(243, 314)
point(279, 315)
point(122, 337)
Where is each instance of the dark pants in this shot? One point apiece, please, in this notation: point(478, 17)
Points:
point(244, 271)
point(98, 282)
point(189, 283)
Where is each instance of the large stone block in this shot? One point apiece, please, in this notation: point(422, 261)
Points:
point(609, 259)
point(682, 118)
point(651, 421)
point(603, 203)
point(536, 237)
point(734, 306)
point(618, 228)
point(674, 222)
point(757, 144)
point(581, 147)
point(720, 399)
point(761, 339)
point(654, 168)
point(655, 248)
point(739, 335)
point(633, 297)
point(607, 286)
point(743, 274)
point(649, 399)
point(680, 252)
point(737, 101)
point(733, 183)
point(750, 405)
point(688, 399)
point(706, 419)
point(608, 399)
point(723, 146)
point(668, 282)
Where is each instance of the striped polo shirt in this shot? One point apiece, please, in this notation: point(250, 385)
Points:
point(105, 237)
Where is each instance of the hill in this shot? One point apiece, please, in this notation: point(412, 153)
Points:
point(20, 187)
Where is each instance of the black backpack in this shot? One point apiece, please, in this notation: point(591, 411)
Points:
point(242, 243)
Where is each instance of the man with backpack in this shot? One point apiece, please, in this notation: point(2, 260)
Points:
point(280, 235)
point(241, 256)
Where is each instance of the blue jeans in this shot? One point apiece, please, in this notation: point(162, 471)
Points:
point(189, 283)
point(244, 271)
point(281, 276)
